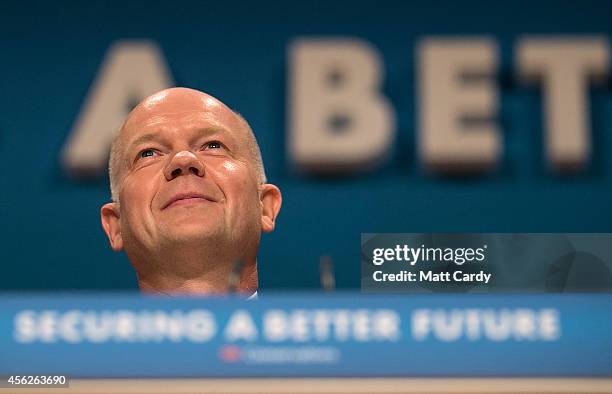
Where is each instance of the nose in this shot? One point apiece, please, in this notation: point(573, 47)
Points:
point(183, 163)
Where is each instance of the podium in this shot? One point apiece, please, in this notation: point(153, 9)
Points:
point(309, 343)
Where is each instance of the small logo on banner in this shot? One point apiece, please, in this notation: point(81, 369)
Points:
point(230, 353)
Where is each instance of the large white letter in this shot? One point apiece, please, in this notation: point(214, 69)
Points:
point(339, 121)
point(421, 324)
point(240, 326)
point(565, 66)
point(131, 71)
point(25, 330)
point(456, 132)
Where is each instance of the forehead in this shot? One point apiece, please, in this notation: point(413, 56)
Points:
point(177, 110)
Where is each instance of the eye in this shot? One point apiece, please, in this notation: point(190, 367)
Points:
point(146, 153)
point(213, 145)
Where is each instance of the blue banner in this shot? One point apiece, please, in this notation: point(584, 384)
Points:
point(106, 336)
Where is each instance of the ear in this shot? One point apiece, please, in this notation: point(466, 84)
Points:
point(109, 215)
point(271, 201)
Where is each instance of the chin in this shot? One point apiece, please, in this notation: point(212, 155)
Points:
point(192, 227)
point(194, 232)
point(191, 220)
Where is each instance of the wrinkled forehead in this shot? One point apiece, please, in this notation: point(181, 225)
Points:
point(178, 107)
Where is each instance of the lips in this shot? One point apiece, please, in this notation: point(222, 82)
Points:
point(186, 198)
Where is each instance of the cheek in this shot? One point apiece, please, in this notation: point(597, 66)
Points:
point(238, 183)
point(138, 192)
point(230, 167)
point(234, 177)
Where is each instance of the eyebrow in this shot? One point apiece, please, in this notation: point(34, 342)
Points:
point(148, 137)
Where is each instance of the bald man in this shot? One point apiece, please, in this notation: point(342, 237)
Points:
point(189, 195)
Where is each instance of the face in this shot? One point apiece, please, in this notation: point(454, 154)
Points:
point(186, 175)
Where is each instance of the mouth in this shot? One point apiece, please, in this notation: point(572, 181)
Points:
point(187, 199)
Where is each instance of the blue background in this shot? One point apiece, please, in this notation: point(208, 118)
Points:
point(50, 53)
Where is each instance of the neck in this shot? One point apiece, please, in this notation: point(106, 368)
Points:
point(184, 269)
point(208, 283)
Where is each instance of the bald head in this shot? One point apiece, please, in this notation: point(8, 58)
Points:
point(182, 102)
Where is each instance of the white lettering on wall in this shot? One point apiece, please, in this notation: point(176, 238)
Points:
point(456, 131)
point(339, 121)
point(131, 71)
point(565, 66)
